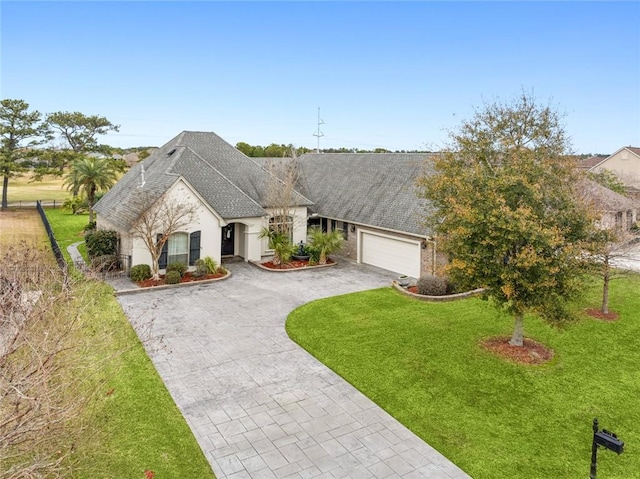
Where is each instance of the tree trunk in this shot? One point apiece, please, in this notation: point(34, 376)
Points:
point(155, 267)
point(5, 186)
point(605, 289)
point(517, 339)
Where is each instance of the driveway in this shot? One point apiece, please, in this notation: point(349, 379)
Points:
point(258, 404)
point(629, 261)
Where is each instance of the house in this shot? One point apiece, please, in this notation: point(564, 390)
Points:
point(625, 163)
point(370, 197)
point(615, 210)
point(227, 188)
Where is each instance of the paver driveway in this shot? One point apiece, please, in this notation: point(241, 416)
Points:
point(258, 404)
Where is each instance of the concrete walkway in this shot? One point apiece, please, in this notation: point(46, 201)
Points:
point(258, 404)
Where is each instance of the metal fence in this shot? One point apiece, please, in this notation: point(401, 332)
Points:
point(52, 239)
point(34, 204)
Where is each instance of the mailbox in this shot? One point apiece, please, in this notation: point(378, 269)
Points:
point(609, 440)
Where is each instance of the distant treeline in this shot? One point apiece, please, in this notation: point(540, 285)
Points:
point(275, 150)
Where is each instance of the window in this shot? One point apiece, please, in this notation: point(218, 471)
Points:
point(282, 224)
point(180, 248)
point(345, 230)
point(619, 219)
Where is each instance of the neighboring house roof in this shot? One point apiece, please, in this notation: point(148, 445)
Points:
point(604, 199)
point(230, 182)
point(591, 162)
point(376, 189)
point(633, 149)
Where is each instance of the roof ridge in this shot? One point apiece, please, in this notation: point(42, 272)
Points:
point(223, 176)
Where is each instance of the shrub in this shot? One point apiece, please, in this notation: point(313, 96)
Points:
point(210, 263)
point(452, 288)
point(140, 272)
point(201, 268)
point(101, 243)
point(106, 263)
point(432, 285)
point(173, 276)
point(90, 226)
point(314, 254)
point(325, 243)
point(181, 268)
point(76, 204)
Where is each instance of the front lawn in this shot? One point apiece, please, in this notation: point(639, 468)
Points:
point(423, 363)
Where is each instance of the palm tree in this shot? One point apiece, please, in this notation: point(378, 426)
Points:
point(325, 243)
point(280, 244)
point(90, 175)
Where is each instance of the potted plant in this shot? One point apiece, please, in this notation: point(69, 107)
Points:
point(403, 280)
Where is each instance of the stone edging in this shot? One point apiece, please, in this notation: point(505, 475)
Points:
point(290, 270)
point(438, 299)
point(170, 286)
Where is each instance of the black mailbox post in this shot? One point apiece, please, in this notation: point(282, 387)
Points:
point(605, 439)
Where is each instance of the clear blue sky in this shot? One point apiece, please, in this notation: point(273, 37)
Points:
point(394, 75)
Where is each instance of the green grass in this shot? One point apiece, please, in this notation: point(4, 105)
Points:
point(23, 189)
point(68, 228)
point(133, 425)
point(423, 363)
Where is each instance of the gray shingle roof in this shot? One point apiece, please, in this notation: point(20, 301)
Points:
point(605, 199)
point(376, 189)
point(233, 184)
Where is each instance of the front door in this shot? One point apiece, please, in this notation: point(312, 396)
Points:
point(227, 240)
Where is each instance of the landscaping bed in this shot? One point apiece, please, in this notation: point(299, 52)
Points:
point(186, 278)
point(294, 265)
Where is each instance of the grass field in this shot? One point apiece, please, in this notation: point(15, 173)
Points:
point(25, 190)
point(423, 363)
point(22, 225)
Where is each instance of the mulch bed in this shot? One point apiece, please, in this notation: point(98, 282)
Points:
point(187, 278)
point(295, 264)
point(596, 313)
point(531, 352)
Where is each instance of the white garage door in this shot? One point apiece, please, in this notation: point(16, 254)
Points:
point(398, 255)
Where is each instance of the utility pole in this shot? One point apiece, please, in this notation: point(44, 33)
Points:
point(319, 133)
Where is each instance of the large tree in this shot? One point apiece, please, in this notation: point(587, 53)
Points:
point(90, 175)
point(80, 131)
point(20, 131)
point(506, 210)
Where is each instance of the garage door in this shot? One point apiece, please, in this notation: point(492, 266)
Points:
point(398, 255)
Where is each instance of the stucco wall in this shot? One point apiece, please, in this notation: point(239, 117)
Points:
point(625, 164)
point(299, 215)
point(205, 221)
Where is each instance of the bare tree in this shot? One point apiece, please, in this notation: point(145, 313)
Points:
point(159, 220)
point(280, 198)
point(610, 241)
point(280, 192)
point(42, 390)
point(609, 246)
